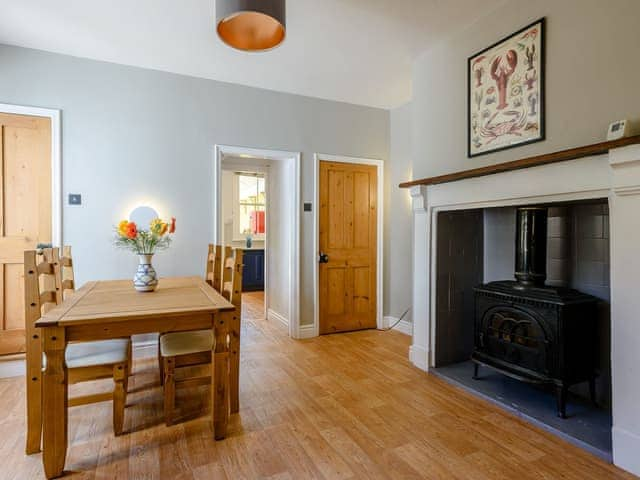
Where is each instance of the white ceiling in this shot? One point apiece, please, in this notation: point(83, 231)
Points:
point(357, 51)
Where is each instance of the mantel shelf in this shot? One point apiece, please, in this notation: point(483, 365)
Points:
point(560, 156)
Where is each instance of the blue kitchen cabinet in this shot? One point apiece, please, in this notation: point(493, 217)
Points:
point(253, 274)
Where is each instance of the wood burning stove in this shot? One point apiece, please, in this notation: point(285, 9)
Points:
point(533, 332)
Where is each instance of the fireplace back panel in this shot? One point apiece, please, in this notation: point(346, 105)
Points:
point(459, 270)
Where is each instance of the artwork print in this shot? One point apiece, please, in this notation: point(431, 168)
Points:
point(506, 92)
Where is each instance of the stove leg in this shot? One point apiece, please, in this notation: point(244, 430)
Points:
point(561, 398)
point(476, 367)
point(592, 391)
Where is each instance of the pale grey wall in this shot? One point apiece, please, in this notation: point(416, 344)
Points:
point(132, 135)
point(398, 225)
point(280, 228)
point(592, 78)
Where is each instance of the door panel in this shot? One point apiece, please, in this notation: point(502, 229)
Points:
point(348, 230)
point(25, 214)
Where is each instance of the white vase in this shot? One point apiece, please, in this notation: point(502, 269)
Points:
point(146, 279)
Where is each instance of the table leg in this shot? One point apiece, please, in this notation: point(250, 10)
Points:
point(54, 439)
point(220, 374)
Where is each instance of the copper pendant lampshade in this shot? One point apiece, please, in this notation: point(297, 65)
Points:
point(251, 25)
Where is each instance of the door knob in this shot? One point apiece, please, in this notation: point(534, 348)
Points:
point(323, 258)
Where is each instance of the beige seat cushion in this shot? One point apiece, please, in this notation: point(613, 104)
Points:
point(91, 354)
point(184, 343)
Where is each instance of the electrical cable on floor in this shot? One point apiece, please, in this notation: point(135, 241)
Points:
point(396, 322)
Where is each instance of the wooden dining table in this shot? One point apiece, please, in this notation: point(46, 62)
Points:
point(103, 310)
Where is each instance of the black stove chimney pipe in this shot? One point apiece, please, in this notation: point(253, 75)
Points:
point(531, 246)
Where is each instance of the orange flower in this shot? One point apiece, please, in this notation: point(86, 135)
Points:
point(131, 230)
point(172, 227)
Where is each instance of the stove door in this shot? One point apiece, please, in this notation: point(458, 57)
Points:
point(516, 336)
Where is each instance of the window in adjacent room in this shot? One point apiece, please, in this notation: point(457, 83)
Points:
point(249, 205)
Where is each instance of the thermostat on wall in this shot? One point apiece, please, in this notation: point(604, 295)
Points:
point(617, 129)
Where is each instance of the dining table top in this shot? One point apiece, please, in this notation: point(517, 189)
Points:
point(117, 300)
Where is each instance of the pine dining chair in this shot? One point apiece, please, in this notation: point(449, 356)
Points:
point(179, 350)
point(86, 361)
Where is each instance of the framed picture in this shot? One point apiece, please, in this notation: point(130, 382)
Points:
point(505, 87)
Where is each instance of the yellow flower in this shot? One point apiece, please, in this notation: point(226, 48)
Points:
point(158, 227)
point(122, 228)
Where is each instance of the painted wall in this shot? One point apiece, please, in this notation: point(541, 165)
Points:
point(279, 227)
point(591, 78)
point(398, 215)
point(133, 136)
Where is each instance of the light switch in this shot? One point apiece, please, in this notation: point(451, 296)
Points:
point(307, 206)
point(75, 199)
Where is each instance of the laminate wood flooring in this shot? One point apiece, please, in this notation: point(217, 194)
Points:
point(343, 406)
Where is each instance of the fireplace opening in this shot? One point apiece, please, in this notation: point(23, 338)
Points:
point(505, 297)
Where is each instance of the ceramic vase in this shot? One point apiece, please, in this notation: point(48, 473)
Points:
point(146, 279)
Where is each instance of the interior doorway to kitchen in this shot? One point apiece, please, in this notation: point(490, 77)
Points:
point(256, 199)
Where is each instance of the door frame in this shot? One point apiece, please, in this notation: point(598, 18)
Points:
point(379, 164)
point(56, 161)
point(293, 158)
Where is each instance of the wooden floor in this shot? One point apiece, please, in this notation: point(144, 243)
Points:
point(343, 406)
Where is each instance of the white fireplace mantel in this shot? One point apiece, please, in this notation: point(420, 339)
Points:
point(615, 176)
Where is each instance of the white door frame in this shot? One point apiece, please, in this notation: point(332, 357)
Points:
point(294, 215)
point(56, 162)
point(317, 158)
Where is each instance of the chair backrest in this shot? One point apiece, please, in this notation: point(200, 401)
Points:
point(67, 281)
point(42, 282)
point(214, 266)
point(236, 278)
point(232, 275)
point(227, 272)
point(41, 293)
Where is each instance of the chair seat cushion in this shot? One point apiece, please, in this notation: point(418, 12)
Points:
point(184, 343)
point(91, 354)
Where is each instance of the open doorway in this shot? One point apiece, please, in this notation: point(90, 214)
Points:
point(244, 225)
point(256, 200)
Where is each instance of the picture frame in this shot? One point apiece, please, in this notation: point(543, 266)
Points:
point(506, 92)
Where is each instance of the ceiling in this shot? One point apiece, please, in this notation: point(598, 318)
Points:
point(356, 51)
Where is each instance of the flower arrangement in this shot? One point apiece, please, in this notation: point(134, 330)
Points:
point(145, 242)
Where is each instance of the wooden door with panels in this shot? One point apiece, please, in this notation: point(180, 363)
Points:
point(348, 246)
point(25, 214)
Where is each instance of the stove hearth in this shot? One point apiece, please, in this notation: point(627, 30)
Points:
point(532, 332)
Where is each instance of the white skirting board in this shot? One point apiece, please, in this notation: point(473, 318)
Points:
point(14, 367)
point(403, 326)
point(274, 316)
point(418, 356)
point(306, 331)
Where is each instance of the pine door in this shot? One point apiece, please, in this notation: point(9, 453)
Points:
point(348, 246)
point(25, 214)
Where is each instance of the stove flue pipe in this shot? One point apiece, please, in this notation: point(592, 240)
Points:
point(531, 246)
